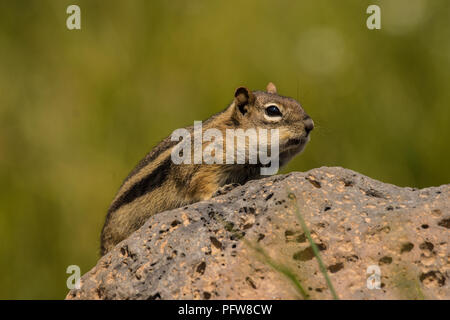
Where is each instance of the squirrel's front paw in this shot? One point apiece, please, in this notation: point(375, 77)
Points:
point(225, 189)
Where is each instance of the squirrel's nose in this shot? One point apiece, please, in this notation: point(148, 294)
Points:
point(309, 124)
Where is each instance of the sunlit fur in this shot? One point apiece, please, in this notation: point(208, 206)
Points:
point(157, 184)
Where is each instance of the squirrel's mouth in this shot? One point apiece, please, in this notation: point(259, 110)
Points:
point(295, 143)
point(291, 148)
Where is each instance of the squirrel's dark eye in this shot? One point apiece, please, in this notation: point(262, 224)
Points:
point(273, 111)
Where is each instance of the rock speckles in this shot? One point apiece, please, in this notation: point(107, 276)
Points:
point(212, 249)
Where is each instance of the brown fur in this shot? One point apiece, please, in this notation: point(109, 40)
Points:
point(157, 184)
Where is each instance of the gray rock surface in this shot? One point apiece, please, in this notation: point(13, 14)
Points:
point(241, 245)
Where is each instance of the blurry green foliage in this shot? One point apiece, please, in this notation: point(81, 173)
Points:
point(78, 109)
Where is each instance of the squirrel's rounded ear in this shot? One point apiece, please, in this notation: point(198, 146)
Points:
point(243, 97)
point(271, 88)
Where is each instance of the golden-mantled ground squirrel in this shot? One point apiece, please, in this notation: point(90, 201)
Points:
point(157, 183)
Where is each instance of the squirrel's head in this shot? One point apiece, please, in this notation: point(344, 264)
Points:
point(268, 110)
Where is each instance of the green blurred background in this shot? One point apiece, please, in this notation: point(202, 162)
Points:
point(79, 108)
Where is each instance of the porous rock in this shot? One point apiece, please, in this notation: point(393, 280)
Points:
point(236, 245)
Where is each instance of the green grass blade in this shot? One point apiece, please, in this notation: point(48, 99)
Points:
point(322, 267)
